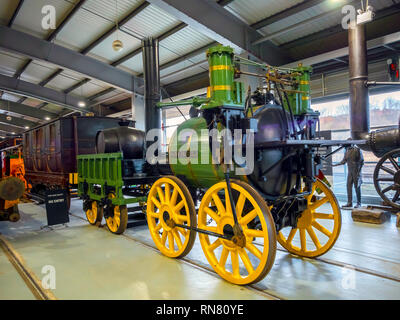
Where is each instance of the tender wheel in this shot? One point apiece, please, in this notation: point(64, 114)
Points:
point(14, 215)
point(117, 221)
point(252, 257)
point(170, 203)
point(387, 178)
point(321, 224)
point(94, 213)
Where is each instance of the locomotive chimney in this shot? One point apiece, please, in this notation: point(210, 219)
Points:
point(151, 75)
point(379, 142)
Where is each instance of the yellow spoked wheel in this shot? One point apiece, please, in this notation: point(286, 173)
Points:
point(118, 219)
point(94, 214)
point(169, 204)
point(318, 228)
point(238, 260)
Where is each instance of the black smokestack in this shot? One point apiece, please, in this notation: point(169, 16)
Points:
point(379, 142)
point(152, 92)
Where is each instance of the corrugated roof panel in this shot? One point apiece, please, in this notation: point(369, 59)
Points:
point(182, 75)
point(185, 40)
point(88, 89)
point(7, 9)
point(10, 63)
point(136, 63)
point(255, 10)
point(36, 72)
point(83, 28)
point(152, 21)
point(108, 9)
point(106, 51)
point(182, 66)
point(30, 16)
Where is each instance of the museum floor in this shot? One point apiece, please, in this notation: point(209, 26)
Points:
point(92, 263)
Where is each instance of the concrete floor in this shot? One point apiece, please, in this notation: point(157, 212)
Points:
point(92, 263)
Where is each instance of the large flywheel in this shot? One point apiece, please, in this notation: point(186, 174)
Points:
point(318, 227)
point(169, 205)
point(387, 178)
point(237, 259)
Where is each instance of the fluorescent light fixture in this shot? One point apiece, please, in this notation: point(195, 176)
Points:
point(47, 119)
point(81, 104)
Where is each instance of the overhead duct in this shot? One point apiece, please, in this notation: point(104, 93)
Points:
point(379, 142)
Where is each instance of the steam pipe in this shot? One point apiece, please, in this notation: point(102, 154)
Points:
point(379, 142)
point(152, 89)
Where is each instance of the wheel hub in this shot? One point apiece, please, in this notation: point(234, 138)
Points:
point(305, 219)
point(167, 222)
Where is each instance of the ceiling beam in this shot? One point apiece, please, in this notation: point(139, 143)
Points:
point(28, 45)
point(100, 94)
point(337, 29)
point(15, 14)
point(17, 122)
point(212, 20)
point(25, 110)
point(307, 4)
point(35, 91)
point(7, 129)
point(224, 2)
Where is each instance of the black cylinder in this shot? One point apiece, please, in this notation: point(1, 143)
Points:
point(129, 141)
point(359, 97)
point(152, 92)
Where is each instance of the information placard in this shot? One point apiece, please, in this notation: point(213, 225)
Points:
point(57, 207)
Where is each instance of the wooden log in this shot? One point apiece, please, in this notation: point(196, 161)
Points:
point(369, 215)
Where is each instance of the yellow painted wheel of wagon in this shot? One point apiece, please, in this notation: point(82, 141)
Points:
point(94, 214)
point(118, 222)
point(322, 228)
point(170, 203)
point(249, 263)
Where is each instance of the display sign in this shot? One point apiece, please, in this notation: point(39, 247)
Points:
point(57, 207)
point(326, 165)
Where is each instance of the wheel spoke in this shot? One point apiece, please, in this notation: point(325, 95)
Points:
point(167, 193)
point(319, 203)
point(322, 229)
point(155, 201)
point(291, 236)
point(171, 241)
point(248, 217)
point(303, 240)
point(177, 239)
point(324, 216)
point(254, 233)
point(246, 261)
point(385, 179)
point(160, 195)
point(240, 205)
point(174, 196)
point(254, 250)
point(386, 169)
point(213, 214)
point(388, 189)
point(179, 206)
point(219, 204)
point(394, 163)
point(224, 257)
point(154, 214)
point(158, 227)
point(181, 218)
point(184, 232)
point(235, 263)
point(164, 237)
point(215, 245)
point(314, 237)
point(396, 196)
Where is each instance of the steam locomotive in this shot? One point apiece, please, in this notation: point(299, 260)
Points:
point(240, 217)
